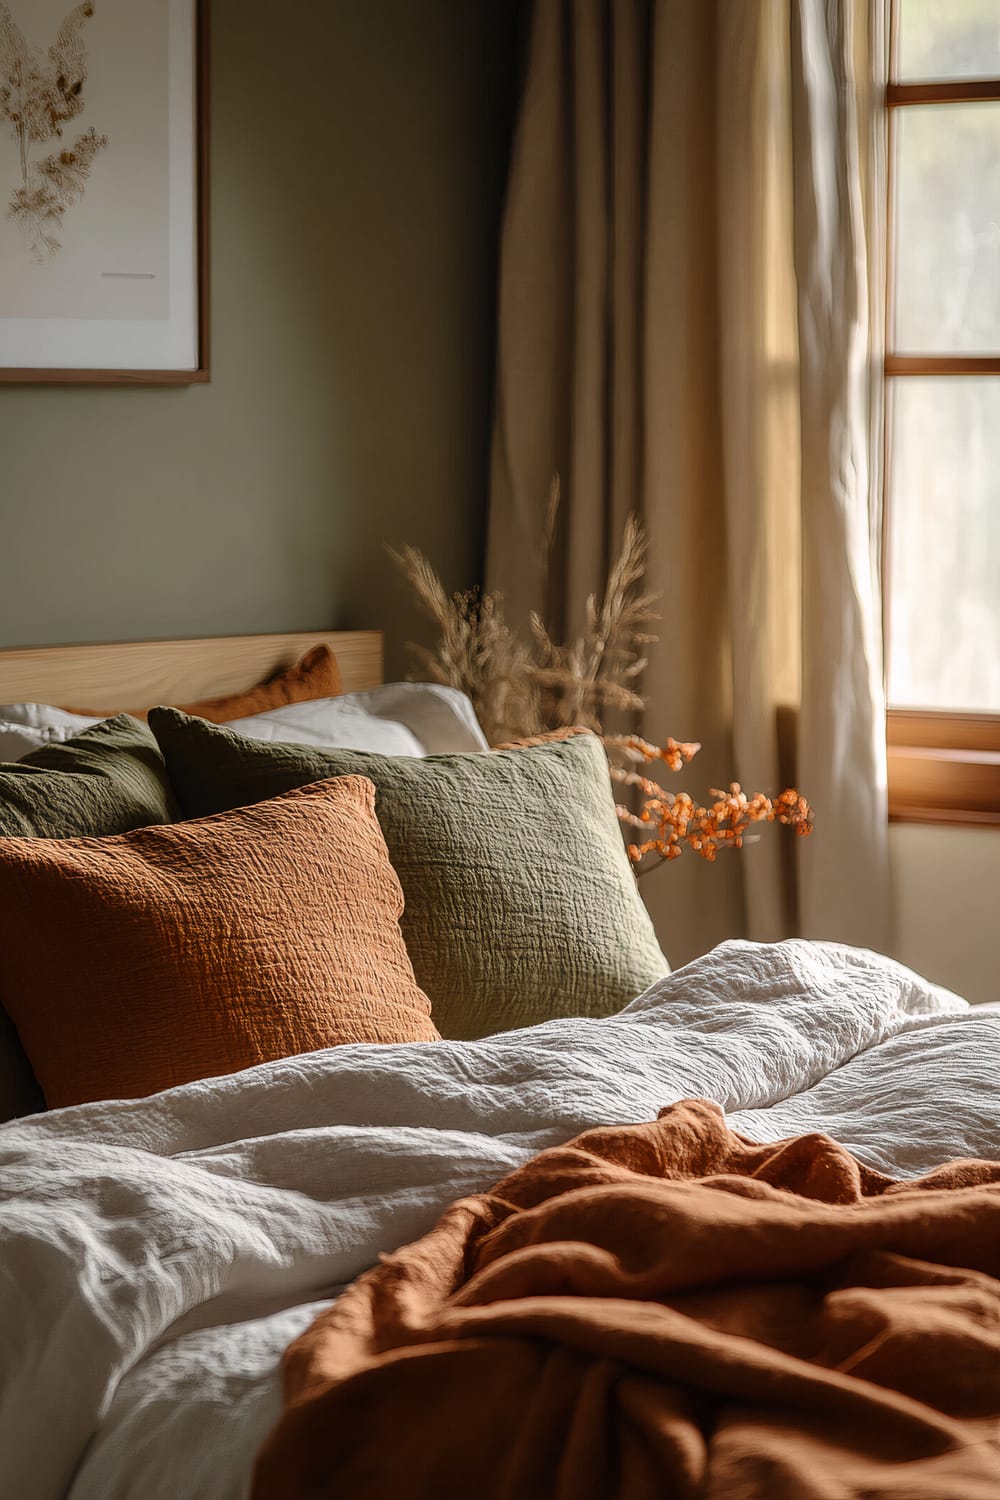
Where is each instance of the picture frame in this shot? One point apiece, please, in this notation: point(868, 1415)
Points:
point(104, 248)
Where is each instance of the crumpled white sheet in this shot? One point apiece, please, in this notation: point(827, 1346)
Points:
point(156, 1256)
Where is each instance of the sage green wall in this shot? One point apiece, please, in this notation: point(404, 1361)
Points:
point(358, 158)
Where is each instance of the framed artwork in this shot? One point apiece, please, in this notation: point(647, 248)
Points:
point(104, 191)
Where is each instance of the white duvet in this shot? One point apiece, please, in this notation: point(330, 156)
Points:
point(157, 1256)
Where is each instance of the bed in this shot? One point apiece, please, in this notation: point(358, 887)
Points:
point(159, 1254)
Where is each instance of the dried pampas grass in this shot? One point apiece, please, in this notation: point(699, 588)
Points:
point(598, 672)
point(476, 651)
point(521, 688)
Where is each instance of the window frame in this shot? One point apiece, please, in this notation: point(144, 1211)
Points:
point(943, 767)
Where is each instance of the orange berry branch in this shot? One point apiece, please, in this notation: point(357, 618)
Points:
point(674, 821)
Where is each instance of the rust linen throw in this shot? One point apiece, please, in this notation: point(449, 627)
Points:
point(665, 1310)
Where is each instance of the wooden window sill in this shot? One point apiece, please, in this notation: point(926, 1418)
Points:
point(944, 768)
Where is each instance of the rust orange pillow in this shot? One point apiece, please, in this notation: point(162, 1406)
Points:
point(315, 675)
point(133, 963)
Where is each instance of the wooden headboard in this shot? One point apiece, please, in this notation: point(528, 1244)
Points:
point(132, 672)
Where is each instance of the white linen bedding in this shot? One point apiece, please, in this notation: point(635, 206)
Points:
point(156, 1256)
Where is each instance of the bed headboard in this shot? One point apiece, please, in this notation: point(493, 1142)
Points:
point(120, 675)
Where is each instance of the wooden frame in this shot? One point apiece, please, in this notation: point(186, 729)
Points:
point(942, 364)
point(943, 767)
point(952, 91)
point(12, 375)
point(119, 676)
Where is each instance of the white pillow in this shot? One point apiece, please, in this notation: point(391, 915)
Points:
point(442, 718)
point(329, 723)
point(399, 718)
point(28, 726)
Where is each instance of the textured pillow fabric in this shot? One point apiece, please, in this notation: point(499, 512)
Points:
point(134, 963)
point(521, 904)
point(106, 780)
point(316, 675)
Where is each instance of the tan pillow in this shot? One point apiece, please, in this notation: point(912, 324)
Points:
point(133, 963)
point(316, 675)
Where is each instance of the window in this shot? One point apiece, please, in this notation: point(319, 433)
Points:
point(943, 411)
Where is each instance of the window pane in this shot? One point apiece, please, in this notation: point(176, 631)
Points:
point(947, 233)
point(948, 39)
point(944, 544)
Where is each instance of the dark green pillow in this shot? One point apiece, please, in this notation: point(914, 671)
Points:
point(521, 904)
point(106, 780)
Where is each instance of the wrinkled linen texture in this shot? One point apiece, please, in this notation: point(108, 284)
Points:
point(156, 1256)
point(665, 1310)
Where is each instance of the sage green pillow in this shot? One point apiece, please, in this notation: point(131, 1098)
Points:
point(521, 904)
point(108, 779)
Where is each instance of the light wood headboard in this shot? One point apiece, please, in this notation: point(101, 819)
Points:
point(146, 672)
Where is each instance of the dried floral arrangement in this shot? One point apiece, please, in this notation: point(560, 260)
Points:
point(669, 822)
point(523, 688)
point(38, 96)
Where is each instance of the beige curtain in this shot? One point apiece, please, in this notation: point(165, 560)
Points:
point(688, 329)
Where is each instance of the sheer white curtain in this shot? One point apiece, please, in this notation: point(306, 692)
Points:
point(689, 328)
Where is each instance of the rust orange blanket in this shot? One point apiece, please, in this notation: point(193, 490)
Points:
point(665, 1310)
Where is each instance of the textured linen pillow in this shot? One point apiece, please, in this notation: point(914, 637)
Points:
point(106, 780)
point(520, 901)
point(316, 675)
point(134, 963)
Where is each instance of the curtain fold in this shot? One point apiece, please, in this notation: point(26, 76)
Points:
point(688, 329)
point(842, 709)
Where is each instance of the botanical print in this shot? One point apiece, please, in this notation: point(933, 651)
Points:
point(39, 94)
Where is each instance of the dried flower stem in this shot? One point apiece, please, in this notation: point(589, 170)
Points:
point(673, 822)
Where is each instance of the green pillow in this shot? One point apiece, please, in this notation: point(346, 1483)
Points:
point(521, 904)
point(106, 780)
